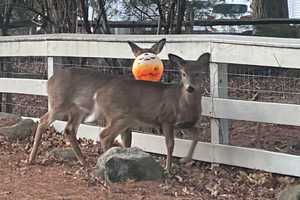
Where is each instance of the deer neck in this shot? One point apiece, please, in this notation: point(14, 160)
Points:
point(188, 106)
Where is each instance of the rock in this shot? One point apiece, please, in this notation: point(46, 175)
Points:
point(121, 164)
point(8, 119)
point(290, 193)
point(63, 154)
point(19, 131)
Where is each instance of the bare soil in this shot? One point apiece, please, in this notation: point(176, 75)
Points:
point(54, 179)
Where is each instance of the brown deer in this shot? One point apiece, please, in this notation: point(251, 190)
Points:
point(70, 96)
point(130, 103)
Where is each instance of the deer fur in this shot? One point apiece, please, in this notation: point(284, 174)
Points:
point(130, 103)
point(70, 96)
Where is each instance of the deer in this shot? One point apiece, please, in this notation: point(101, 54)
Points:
point(70, 96)
point(130, 103)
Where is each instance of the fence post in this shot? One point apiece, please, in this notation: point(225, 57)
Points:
point(219, 88)
point(50, 68)
point(1, 94)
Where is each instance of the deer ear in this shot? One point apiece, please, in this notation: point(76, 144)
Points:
point(204, 59)
point(135, 49)
point(157, 47)
point(176, 60)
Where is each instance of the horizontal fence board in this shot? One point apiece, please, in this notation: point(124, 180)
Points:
point(23, 86)
point(122, 49)
point(256, 159)
point(228, 39)
point(276, 113)
point(23, 48)
point(230, 155)
point(276, 52)
point(224, 154)
point(255, 55)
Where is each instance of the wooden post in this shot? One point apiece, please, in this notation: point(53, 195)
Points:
point(8, 96)
point(50, 68)
point(1, 94)
point(218, 88)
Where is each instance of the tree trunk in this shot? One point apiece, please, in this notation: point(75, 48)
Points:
point(106, 28)
point(85, 14)
point(270, 9)
point(170, 17)
point(181, 6)
point(6, 17)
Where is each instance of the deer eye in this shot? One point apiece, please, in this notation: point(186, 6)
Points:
point(184, 74)
point(197, 75)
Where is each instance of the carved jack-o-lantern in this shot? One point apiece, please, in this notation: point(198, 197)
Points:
point(147, 67)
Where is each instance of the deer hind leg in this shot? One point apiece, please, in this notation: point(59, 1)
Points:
point(74, 120)
point(126, 138)
point(168, 131)
point(111, 131)
point(190, 153)
point(45, 121)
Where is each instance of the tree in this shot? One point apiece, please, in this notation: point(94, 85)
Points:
point(6, 13)
point(171, 12)
point(270, 9)
point(273, 9)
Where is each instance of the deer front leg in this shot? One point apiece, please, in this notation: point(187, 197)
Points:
point(111, 131)
point(71, 137)
point(190, 153)
point(168, 131)
point(74, 120)
point(126, 138)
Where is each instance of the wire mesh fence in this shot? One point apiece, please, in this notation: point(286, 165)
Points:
point(276, 85)
point(250, 83)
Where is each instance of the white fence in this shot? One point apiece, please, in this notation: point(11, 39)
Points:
point(273, 52)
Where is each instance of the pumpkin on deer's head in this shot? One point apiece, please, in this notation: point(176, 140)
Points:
point(147, 65)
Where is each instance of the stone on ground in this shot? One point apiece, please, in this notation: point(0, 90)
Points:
point(19, 131)
point(8, 119)
point(121, 164)
point(63, 154)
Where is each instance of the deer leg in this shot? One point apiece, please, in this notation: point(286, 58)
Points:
point(110, 132)
point(45, 121)
point(168, 131)
point(190, 153)
point(70, 132)
point(126, 138)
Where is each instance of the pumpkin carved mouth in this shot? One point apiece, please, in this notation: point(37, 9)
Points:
point(152, 76)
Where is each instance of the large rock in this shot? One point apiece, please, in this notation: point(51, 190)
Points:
point(121, 164)
point(290, 193)
point(8, 119)
point(19, 131)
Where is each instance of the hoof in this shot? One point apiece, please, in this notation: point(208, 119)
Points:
point(29, 162)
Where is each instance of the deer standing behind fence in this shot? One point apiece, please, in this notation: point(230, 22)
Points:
point(71, 92)
point(130, 103)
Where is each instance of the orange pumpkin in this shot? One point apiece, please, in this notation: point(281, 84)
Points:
point(147, 67)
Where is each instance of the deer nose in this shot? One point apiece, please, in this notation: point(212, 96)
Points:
point(190, 89)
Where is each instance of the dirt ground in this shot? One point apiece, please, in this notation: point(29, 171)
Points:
point(53, 179)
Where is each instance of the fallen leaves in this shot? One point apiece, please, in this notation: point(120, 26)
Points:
point(195, 180)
